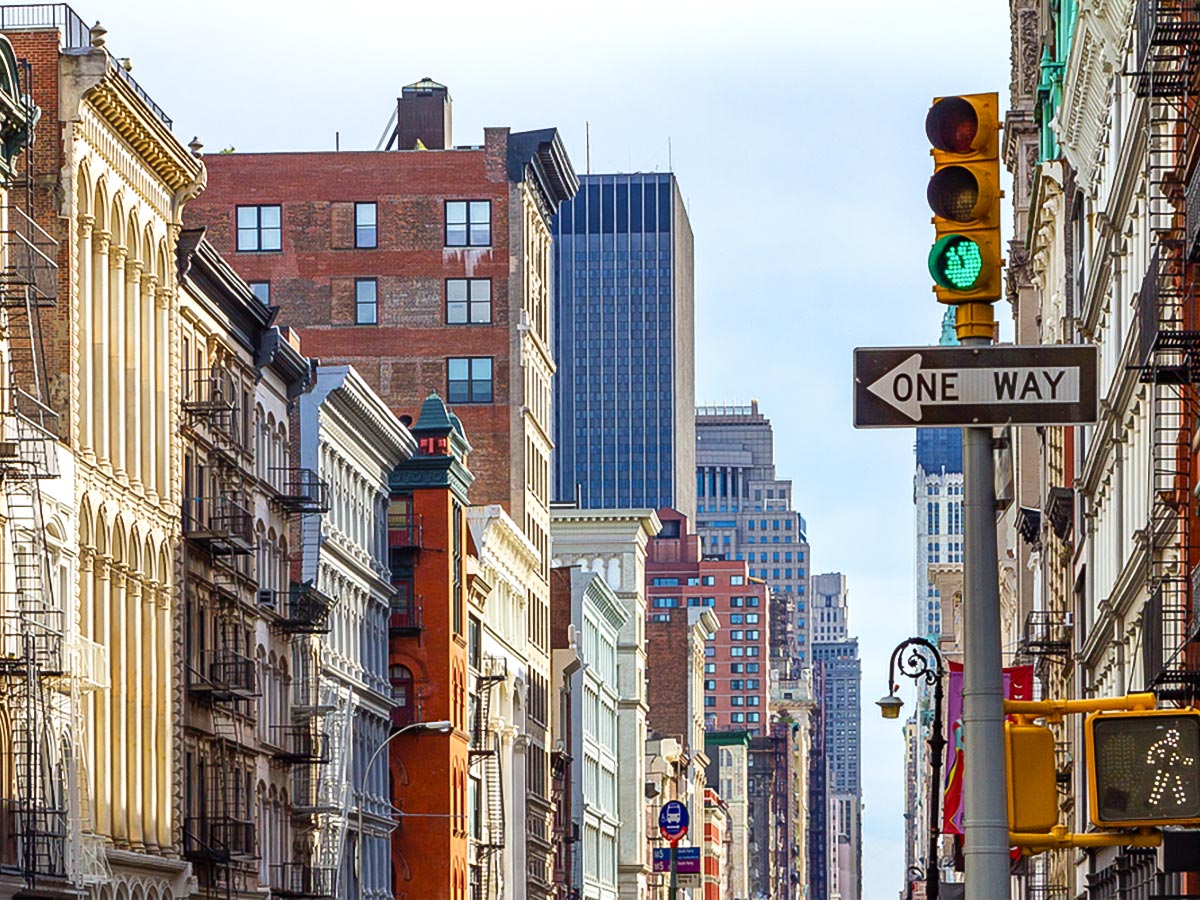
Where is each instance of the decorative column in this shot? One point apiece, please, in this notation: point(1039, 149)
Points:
point(162, 401)
point(165, 736)
point(117, 351)
point(87, 625)
point(149, 387)
point(134, 438)
point(99, 402)
point(119, 733)
point(86, 379)
point(104, 740)
point(134, 747)
point(149, 710)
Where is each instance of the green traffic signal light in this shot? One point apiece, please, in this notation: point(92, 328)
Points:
point(956, 262)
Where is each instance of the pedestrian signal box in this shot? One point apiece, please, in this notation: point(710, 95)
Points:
point(1144, 767)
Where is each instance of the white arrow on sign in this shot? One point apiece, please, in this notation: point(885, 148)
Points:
point(908, 387)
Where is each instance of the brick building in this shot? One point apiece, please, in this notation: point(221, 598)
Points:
point(737, 658)
point(428, 547)
point(427, 268)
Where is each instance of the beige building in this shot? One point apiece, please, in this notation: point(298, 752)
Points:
point(503, 571)
point(612, 543)
point(112, 187)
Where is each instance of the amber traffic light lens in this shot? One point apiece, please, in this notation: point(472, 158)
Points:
point(954, 194)
point(952, 125)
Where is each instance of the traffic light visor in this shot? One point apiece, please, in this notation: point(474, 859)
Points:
point(956, 262)
point(1146, 768)
point(952, 125)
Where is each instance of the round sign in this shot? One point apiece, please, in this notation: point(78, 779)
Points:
point(673, 820)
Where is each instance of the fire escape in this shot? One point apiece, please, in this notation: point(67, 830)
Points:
point(45, 809)
point(305, 745)
point(1168, 41)
point(485, 750)
point(219, 829)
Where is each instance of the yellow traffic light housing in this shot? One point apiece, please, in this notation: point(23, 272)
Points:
point(964, 194)
point(1032, 788)
point(1143, 768)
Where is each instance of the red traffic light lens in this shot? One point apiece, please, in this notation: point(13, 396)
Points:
point(952, 125)
point(953, 194)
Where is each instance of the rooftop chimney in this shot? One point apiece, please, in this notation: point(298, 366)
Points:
point(423, 117)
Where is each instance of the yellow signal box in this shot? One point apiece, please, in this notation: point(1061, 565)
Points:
point(1143, 768)
point(964, 194)
point(1032, 788)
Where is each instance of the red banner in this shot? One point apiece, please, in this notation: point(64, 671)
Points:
point(1018, 685)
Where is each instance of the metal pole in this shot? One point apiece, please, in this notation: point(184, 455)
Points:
point(673, 888)
point(985, 803)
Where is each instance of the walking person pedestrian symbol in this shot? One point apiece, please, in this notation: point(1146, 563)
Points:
point(1165, 756)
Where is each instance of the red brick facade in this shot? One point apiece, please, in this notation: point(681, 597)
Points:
point(737, 661)
point(312, 278)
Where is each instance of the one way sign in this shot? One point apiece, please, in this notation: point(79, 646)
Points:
point(898, 387)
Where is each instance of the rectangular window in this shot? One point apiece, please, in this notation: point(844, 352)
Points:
point(737, 579)
point(366, 301)
point(735, 668)
point(665, 582)
point(468, 301)
point(738, 717)
point(468, 223)
point(469, 379)
point(751, 667)
point(259, 228)
point(709, 580)
point(262, 290)
point(366, 235)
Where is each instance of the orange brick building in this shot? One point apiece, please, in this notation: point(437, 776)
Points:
point(428, 547)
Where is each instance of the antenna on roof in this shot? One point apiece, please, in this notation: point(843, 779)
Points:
point(390, 129)
point(587, 140)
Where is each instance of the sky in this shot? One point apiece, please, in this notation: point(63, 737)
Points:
point(796, 129)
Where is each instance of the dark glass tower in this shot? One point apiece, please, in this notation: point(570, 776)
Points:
point(624, 345)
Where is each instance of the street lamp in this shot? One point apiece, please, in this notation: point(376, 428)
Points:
point(922, 661)
point(442, 726)
point(915, 874)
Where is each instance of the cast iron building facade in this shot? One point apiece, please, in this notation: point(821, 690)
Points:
point(624, 344)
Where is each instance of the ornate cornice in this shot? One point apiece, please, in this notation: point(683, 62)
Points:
point(146, 135)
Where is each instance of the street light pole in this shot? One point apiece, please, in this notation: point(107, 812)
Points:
point(442, 726)
point(923, 661)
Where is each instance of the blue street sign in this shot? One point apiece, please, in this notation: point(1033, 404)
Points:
point(673, 820)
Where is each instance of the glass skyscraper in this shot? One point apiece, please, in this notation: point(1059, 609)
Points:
point(624, 345)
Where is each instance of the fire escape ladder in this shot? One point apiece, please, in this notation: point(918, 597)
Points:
point(1168, 44)
point(332, 796)
point(485, 749)
point(32, 635)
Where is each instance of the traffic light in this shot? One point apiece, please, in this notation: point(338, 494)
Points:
point(1032, 792)
point(1144, 767)
point(964, 194)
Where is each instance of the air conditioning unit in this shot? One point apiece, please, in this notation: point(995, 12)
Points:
point(266, 598)
point(1069, 619)
point(10, 450)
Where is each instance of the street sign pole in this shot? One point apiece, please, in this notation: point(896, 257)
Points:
point(673, 889)
point(985, 802)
